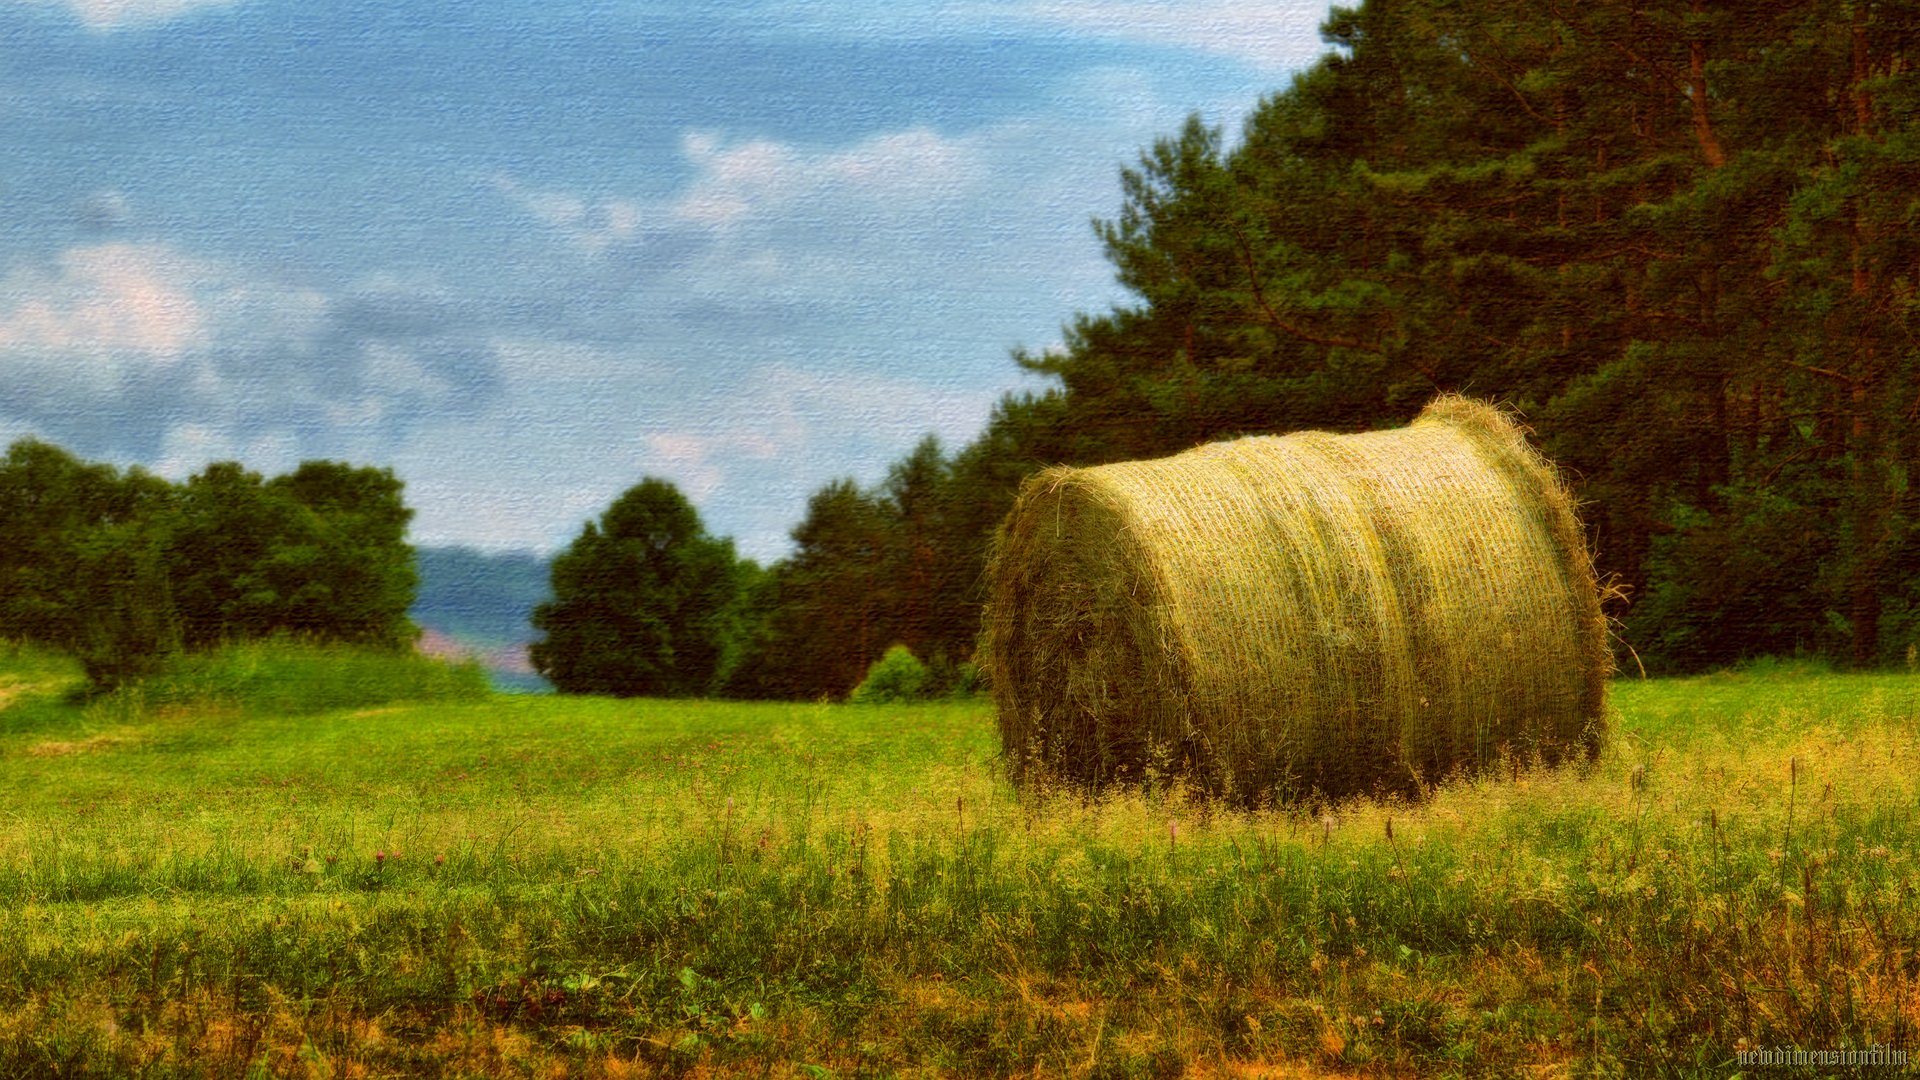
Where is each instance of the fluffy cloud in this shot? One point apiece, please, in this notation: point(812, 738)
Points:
point(592, 225)
point(103, 302)
point(136, 350)
point(789, 315)
point(899, 173)
point(117, 14)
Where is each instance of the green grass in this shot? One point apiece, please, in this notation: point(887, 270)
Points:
point(541, 886)
point(292, 677)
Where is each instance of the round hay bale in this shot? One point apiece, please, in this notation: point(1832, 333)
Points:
point(1274, 617)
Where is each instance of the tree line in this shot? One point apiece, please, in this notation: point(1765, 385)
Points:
point(1681, 238)
point(124, 569)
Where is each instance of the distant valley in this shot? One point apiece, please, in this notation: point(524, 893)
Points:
point(479, 604)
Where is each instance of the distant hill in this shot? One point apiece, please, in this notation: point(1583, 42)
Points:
point(472, 603)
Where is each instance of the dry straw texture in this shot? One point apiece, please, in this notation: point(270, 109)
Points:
point(1307, 614)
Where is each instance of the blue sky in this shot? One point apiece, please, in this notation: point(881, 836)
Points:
point(526, 254)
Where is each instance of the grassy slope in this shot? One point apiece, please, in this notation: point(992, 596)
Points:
point(603, 888)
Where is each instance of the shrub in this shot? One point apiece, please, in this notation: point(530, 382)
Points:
point(897, 676)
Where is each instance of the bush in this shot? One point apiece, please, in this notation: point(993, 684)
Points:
point(897, 676)
point(290, 677)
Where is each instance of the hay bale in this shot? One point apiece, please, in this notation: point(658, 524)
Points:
point(1313, 613)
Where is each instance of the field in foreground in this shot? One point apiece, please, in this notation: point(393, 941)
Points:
point(527, 886)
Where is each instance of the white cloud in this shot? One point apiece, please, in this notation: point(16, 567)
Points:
point(698, 462)
point(590, 225)
point(101, 310)
point(117, 306)
point(118, 14)
point(189, 447)
point(895, 173)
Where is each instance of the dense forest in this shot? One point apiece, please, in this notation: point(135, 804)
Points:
point(1681, 239)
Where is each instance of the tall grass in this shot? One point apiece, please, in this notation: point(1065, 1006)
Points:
point(541, 886)
point(287, 676)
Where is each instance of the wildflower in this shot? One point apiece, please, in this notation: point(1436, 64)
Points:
point(379, 856)
point(439, 860)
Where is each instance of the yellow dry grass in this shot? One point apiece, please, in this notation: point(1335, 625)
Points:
point(60, 748)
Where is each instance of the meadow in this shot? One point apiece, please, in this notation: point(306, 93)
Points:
point(233, 885)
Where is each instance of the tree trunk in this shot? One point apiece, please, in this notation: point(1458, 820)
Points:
point(1703, 132)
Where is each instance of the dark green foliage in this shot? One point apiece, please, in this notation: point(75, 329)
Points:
point(642, 601)
point(321, 551)
point(897, 564)
point(124, 569)
point(820, 615)
point(128, 626)
point(51, 504)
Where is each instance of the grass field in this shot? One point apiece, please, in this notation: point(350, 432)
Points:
point(540, 886)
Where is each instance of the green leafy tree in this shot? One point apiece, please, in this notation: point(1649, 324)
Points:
point(127, 625)
point(350, 574)
point(319, 552)
point(51, 503)
point(642, 601)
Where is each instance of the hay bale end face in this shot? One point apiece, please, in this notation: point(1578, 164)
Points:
point(1311, 614)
